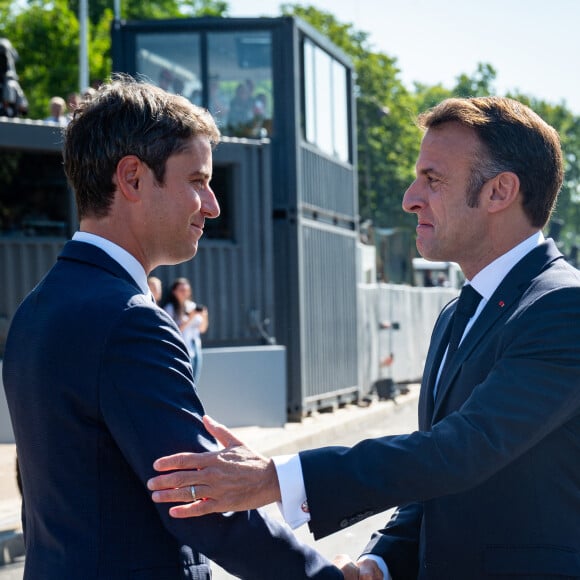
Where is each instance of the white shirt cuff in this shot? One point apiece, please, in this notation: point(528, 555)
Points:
point(292, 491)
point(379, 562)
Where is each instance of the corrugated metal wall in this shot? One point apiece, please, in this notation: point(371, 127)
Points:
point(323, 348)
point(329, 349)
point(23, 262)
point(327, 184)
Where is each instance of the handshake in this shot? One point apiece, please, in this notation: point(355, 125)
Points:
point(365, 569)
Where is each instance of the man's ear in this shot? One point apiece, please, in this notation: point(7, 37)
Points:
point(503, 190)
point(128, 176)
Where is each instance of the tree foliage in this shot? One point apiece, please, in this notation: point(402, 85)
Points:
point(567, 212)
point(480, 84)
point(152, 9)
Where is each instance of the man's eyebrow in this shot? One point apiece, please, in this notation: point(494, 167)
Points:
point(427, 170)
point(201, 174)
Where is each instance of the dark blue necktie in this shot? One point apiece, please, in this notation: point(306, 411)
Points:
point(466, 307)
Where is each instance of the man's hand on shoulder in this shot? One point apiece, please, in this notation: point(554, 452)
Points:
point(232, 479)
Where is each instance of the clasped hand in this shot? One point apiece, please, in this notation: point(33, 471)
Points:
point(363, 570)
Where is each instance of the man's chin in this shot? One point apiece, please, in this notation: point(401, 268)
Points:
point(179, 259)
point(429, 252)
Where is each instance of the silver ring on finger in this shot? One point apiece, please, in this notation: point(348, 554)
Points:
point(192, 491)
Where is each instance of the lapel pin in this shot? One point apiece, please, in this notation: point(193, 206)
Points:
point(501, 303)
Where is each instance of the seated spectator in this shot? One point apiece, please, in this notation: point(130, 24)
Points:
point(261, 124)
point(88, 94)
point(57, 108)
point(241, 112)
point(72, 102)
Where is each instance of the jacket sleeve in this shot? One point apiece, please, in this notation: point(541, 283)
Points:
point(151, 409)
point(398, 542)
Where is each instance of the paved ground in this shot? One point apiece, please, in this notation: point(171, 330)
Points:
point(343, 426)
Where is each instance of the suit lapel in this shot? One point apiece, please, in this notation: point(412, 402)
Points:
point(439, 341)
point(501, 303)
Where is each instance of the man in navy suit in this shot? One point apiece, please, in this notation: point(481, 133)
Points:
point(489, 487)
point(98, 378)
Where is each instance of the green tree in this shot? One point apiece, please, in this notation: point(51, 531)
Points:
point(153, 9)
point(568, 206)
point(46, 37)
point(428, 96)
point(480, 84)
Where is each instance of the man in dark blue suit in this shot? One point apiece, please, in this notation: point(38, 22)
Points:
point(489, 487)
point(97, 377)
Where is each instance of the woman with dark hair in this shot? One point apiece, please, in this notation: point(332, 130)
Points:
point(191, 318)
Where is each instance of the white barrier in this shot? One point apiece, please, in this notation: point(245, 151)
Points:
point(415, 310)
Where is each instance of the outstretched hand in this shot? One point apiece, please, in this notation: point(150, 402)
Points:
point(232, 479)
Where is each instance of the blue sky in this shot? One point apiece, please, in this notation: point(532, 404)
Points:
point(534, 45)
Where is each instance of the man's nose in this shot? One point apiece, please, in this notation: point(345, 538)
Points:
point(209, 204)
point(412, 199)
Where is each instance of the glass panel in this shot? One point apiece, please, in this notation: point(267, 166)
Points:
point(35, 199)
point(323, 81)
point(326, 122)
point(309, 92)
point(171, 61)
point(339, 82)
point(240, 82)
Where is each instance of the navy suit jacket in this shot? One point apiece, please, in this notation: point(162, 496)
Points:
point(99, 384)
point(489, 487)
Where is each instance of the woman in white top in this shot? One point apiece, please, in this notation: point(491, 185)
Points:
point(191, 318)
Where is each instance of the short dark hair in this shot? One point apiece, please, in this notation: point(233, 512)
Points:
point(514, 138)
point(127, 117)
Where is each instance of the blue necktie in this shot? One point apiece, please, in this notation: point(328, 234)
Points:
point(466, 307)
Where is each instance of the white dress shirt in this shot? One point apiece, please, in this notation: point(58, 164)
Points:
point(121, 256)
point(289, 468)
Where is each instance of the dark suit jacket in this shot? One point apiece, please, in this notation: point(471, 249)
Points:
point(490, 485)
point(99, 385)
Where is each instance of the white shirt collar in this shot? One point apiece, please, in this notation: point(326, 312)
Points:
point(124, 258)
point(487, 281)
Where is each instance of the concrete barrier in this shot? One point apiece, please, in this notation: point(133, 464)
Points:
point(243, 386)
point(6, 432)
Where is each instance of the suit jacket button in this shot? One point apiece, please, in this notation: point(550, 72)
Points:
point(343, 524)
